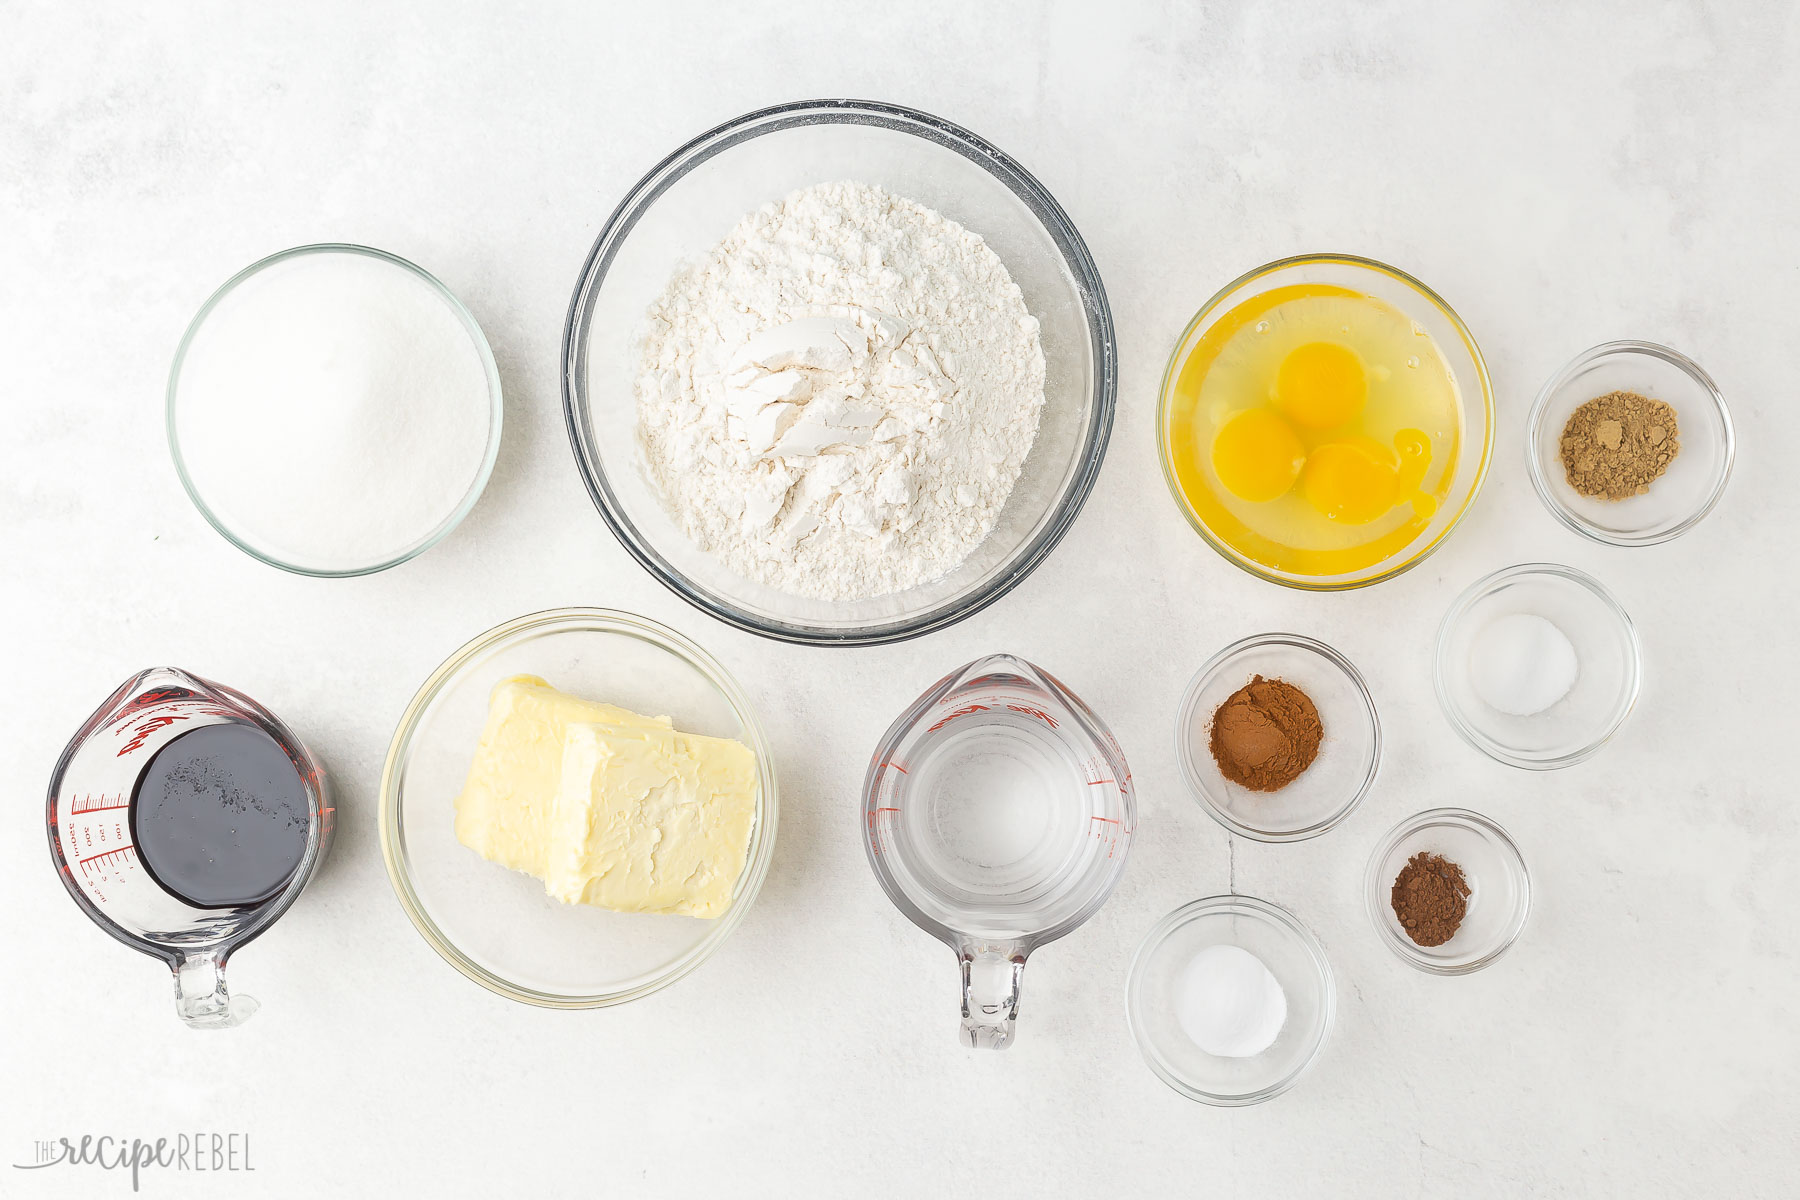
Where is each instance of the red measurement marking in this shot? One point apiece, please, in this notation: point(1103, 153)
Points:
point(103, 856)
point(1112, 839)
point(94, 804)
point(1097, 783)
point(1039, 713)
point(145, 730)
point(887, 810)
point(961, 712)
point(156, 696)
point(896, 767)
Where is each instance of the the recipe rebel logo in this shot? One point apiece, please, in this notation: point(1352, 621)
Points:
point(139, 1158)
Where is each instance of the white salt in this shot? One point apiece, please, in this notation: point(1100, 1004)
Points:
point(333, 411)
point(1228, 1002)
point(1521, 664)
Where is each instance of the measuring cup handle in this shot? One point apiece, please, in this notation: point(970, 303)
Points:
point(201, 998)
point(990, 994)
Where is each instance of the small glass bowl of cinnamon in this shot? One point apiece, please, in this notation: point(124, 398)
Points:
point(1498, 896)
point(1330, 786)
point(1681, 495)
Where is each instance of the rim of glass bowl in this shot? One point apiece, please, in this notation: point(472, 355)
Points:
point(1460, 608)
point(1173, 369)
point(601, 620)
point(1540, 481)
point(1184, 751)
point(1025, 186)
point(1375, 891)
point(1263, 910)
point(496, 408)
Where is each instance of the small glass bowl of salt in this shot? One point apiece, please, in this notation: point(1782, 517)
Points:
point(1230, 1000)
point(1538, 666)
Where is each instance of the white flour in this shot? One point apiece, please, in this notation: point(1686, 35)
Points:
point(837, 400)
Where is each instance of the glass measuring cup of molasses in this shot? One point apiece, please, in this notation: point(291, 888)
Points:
point(184, 819)
point(999, 811)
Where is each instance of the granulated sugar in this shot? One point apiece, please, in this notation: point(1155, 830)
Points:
point(333, 411)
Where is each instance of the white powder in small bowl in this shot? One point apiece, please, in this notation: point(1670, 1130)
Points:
point(332, 411)
point(1228, 1003)
point(1521, 664)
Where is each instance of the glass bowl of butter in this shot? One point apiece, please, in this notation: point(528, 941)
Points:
point(578, 808)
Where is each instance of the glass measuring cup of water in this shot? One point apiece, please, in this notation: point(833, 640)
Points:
point(184, 818)
point(999, 811)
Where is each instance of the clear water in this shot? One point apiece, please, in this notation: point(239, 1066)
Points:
point(995, 822)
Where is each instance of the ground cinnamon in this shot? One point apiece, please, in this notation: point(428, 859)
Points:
point(1265, 734)
point(1430, 897)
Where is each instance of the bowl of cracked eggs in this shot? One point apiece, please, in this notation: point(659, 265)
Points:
point(839, 372)
point(1325, 421)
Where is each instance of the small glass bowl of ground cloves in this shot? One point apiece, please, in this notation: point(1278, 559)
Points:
point(1277, 737)
point(1630, 444)
point(1448, 891)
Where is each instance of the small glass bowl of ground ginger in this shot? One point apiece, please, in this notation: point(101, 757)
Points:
point(1470, 891)
point(1630, 444)
point(1278, 738)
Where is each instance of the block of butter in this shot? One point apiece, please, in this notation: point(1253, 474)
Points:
point(503, 813)
point(608, 807)
point(651, 820)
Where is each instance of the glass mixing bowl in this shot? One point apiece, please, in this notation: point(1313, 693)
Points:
point(1434, 316)
point(1290, 952)
point(1685, 493)
point(496, 925)
point(690, 200)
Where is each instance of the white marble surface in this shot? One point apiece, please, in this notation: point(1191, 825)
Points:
point(1613, 170)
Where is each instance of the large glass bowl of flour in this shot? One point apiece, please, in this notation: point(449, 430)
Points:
point(692, 200)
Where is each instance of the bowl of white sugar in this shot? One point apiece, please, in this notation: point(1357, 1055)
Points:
point(839, 372)
point(334, 410)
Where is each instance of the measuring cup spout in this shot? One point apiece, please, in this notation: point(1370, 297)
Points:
point(990, 993)
point(202, 1000)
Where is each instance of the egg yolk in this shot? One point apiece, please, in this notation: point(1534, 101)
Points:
point(1257, 456)
point(1352, 482)
point(1321, 385)
point(1414, 446)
